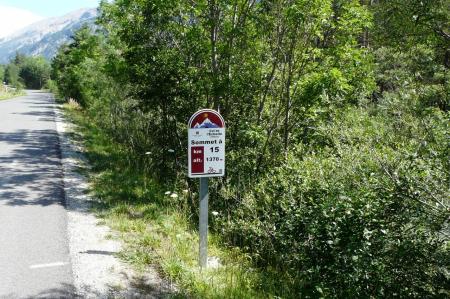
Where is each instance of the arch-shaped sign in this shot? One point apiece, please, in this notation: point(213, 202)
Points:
point(206, 119)
point(206, 148)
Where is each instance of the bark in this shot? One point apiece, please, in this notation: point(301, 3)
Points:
point(214, 14)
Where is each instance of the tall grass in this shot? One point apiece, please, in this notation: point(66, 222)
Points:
point(5, 95)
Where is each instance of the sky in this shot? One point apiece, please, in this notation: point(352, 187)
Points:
point(16, 14)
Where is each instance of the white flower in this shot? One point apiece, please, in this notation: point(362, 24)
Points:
point(167, 192)
point(215, 213)
point(174, 195)
point(148, 153)
point(171, 151)
point(185, 191)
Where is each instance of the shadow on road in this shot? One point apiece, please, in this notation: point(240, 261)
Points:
point(42, 115)
point(30, 163)
point(68, 291)
point(31, 172)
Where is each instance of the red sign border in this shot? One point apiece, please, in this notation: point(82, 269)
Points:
point(206, 111)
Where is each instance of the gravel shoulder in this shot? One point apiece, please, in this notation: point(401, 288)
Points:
point(97, 271)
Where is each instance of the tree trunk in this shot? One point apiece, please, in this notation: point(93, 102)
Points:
point(214, 19)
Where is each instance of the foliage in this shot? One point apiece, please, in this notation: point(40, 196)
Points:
point(78, 72)
point(2, 73)
point(337, 119)
point(153, 225)
point(366, 216)
point(12, 75)
point(29, 72)
point(35, 71)
point(238, 62)
point(408, 22)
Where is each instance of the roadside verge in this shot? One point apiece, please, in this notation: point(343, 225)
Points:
point(97, 271)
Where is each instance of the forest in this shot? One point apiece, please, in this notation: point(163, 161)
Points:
point(337, 115)
point(26, 72)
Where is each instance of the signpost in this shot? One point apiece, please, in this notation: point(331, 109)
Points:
point(206, 155)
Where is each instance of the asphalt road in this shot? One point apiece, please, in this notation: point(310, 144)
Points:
point(34, 250)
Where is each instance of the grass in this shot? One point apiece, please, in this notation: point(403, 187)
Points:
point(9, 95)
point(157, 229)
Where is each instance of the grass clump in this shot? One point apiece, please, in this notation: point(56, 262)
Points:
point(6, 95)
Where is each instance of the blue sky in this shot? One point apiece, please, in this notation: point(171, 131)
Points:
point(16, 14)
point(49, 8)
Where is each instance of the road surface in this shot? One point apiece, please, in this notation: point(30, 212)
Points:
point(34, 250)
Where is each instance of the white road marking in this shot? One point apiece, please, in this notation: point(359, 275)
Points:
point(49, 265)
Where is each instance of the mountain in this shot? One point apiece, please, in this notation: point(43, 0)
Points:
point(45, 37)
point(206, 124)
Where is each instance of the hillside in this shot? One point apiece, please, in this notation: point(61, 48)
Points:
point(44, 37)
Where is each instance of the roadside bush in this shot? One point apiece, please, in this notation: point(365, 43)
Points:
point(365, 217)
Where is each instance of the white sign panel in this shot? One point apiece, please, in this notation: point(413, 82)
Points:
point(206, 148)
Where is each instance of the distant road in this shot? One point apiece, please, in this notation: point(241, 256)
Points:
point(34, 251)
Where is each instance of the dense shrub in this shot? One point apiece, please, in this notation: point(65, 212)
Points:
point(364, 217)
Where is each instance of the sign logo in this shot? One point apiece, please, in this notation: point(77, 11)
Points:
point(206, 148)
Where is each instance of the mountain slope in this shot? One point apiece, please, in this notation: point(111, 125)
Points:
point(44, 37)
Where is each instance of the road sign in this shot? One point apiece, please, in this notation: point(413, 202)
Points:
point(206, 144)
point(206, 152)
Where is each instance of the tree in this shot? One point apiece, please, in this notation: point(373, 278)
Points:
point(69, 62)
point(12, 75)
point(19, 59)
point(252, 60)
point(408, 22)
point(2, 74)
point(35, 71)
point(418, 32)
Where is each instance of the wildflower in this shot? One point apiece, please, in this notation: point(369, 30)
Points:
point(215, 213)
point(167, 192)
point(174, 195)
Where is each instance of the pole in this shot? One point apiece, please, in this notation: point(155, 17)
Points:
point(203, 229)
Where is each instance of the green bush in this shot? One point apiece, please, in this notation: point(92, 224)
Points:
point(365, 217)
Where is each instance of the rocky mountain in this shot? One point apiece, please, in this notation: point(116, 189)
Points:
point(207, 124)
point(44, 37)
